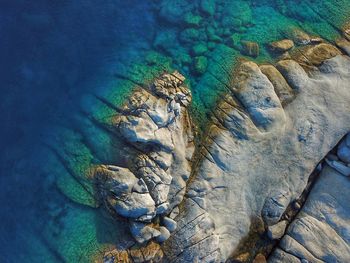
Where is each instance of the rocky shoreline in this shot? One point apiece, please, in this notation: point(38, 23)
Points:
point(235, 195)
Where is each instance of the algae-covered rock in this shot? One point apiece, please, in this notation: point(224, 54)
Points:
point(173, 11)
point(200, 65)
point(212, 36)
point(298, 36)
point(199, 49)
point(207, 7)
point(165, 40)
point(192, 20)
point(234, 40)
point(237, 11)
point(189, 35)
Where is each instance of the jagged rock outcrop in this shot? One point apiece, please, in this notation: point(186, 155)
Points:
point(265, 138)
point(321, 230)
point(155, 122)
point(257, 155)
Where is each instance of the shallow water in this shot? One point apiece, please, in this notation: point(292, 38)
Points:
point(56, 56)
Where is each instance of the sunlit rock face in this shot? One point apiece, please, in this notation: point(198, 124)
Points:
point(321, 231)
point(155, 122)
point(258, 155)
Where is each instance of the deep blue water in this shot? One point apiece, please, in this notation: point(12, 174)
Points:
point(51, 53)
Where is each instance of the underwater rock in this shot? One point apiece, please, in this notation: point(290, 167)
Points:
point(192, 20)
point(173, 11)
point(199, 49)
point(282, 45)
point(207, 7)
point(200, 65)
point(298, 36)
point(250, 48)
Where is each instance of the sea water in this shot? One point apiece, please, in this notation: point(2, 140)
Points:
point(64, 63)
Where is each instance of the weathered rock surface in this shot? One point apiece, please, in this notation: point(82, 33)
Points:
point(321, 231)
point(258, 155)
point(156, 123)
point(266, 137)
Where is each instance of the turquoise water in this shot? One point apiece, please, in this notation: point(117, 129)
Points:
point(59, 57)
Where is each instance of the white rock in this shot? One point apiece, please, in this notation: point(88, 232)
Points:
point(169, 223)
point(164, 234)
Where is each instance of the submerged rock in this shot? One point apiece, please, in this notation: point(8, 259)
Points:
point(282, 45)
point(250, 48)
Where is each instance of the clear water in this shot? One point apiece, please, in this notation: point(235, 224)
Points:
point(57, 56)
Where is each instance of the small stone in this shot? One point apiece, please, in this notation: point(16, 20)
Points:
point(162, 208)
point(296, 205)
point(250, 48)
point(332, 157)
point(260, 258)
point(282, 45)
point(142, 232)
point(339, 167)
point(169, 223)
point(164, 234)
point(277, 231)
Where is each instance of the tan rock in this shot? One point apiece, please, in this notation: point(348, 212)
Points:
point(260, 258)
point(346, 31)
point(282, 45)
point(284, 92)
point(343, 44)
point(250, 48)
point(299, 36)
point(315, 55)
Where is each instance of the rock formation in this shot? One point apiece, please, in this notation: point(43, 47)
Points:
point(267, 135)
point(320, 232)
point(156, 123)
